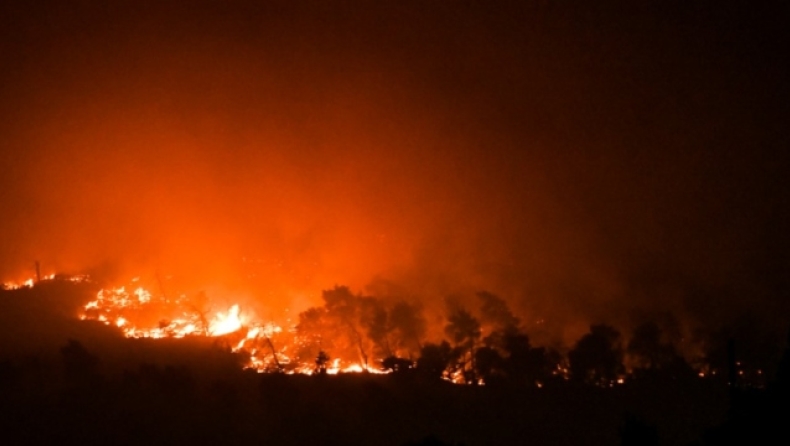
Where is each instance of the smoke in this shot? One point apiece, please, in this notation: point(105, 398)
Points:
point(586, 165)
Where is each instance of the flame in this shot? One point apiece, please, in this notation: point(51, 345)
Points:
point(140, 313)
point(224, 324)
point(31, 282)
point(28, 283)
point(124, 309)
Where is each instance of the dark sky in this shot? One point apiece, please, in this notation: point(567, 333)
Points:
point(586, 162)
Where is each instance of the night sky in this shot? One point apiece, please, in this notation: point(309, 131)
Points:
point(586, 162)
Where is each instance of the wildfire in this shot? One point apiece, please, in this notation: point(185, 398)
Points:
point(361, 333)
point(139, 313)
point(17, 285)
point(226, 323)
point(30, 282)
point(174, 317)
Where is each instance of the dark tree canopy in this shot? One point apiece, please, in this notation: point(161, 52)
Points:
point(494, 311)
point(652, 354)
point(597, 357)
point(525, 364)
point(434, 360)
point(462, 328)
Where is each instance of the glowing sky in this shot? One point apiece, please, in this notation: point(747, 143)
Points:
point(587, 162)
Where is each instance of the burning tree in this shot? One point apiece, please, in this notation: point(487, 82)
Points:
point(495, 313)
point(407, 327)
point(338, 326)
point(463, 329)
point(435, 360)
point(597, 357)
point(360, 327)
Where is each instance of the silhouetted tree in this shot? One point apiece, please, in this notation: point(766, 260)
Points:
point(408, 326)
point(523, 363)
point(756, 349)
point(314, 333)
point(339, 326)
point(398, 366)
point(321, 362)
point(345, 309)
point(434, 360)
point(489, 365)
point(375, 321)
point(597, 357)
point(495, 312)
point(646, 348)
point(497, 319)
point(352, 325)
point(654, 356)
point(199, 304)
point(464, 330)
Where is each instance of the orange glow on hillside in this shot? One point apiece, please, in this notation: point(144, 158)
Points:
point(139, 313)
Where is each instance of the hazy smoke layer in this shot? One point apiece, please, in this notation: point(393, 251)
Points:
point(587, 164)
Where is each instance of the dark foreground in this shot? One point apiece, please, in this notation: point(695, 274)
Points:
point(200, 398)
point(64, 381)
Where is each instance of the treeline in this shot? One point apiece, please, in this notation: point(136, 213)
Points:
point(488, 344)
